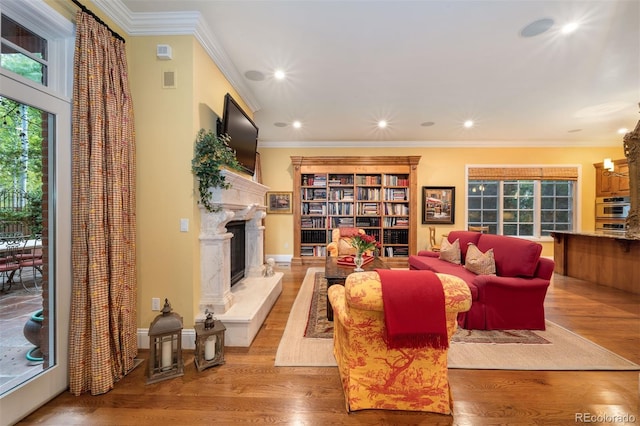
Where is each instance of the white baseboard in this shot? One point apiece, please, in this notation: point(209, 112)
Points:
point(280, 258)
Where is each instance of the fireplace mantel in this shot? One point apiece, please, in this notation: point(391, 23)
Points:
point(243, 308)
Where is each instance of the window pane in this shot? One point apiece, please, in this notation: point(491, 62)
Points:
point(562, 189)
point(525, 230)
point(510, 216)
point(510, 203)
point(526, 216)
point(490, 202)
point(28, 57)
point(547, 189)
point(489, 216)
point(562, 203)
point(510, 189)
point(547, 203)
point(474, 203)
point(510, 229)
point(482, 203)
point(489, 188)
point(526, 188)
point(474, 216)
point(525, 203)
point(547, 216)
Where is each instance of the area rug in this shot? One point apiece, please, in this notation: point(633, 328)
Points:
point(556, 348)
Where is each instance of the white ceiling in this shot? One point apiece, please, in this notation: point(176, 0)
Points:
point(352, 63)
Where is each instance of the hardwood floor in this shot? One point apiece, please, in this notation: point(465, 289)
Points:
point(249, 389)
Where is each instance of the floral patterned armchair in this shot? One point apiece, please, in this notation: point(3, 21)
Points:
point(340, 244)
point(375, 377)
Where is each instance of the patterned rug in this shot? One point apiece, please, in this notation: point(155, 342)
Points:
point(318, 326)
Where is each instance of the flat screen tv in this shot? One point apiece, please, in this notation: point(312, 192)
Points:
point(242, 131)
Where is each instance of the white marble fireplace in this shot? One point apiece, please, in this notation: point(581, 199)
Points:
point(243, 307)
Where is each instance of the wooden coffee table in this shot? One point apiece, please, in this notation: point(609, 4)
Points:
point(337, 274)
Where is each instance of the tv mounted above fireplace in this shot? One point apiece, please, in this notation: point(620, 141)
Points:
point(242, 131)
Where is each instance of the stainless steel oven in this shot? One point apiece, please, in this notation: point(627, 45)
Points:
point(612, 207)
point(610, 227)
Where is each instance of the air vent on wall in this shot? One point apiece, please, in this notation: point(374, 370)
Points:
point(169, 79)
point(163, 51)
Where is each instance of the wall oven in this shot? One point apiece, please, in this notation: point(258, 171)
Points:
point(612, 207)
point(610, 227)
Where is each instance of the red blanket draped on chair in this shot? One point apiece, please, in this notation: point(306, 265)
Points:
point(414, 310)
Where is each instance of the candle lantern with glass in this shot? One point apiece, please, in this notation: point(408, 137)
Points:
point(165, 346)
point(209, 342)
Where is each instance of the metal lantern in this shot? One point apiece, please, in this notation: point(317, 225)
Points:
point(209, 343)
point(165, 346)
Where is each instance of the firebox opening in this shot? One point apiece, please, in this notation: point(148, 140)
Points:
point(237, 250)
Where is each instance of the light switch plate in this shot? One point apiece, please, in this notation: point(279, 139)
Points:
point(184, 225)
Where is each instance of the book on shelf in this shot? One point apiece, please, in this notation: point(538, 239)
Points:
point(341, 194)
point(393, 180)
point(396, 236)
point(337, 222)
point(340, 180)
point(368, 179)
point(313, 251)
point(369, 194)
point(313, 236)
point(396, 194)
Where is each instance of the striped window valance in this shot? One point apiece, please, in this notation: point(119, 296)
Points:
point(523, 173)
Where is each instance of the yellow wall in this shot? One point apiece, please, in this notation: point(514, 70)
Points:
point(167, 122)
point(438, 167)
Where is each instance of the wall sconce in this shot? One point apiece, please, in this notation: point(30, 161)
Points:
point(165, 346)
point(209, 343)
point(609, 167)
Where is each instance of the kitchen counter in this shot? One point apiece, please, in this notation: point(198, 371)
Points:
point(606, 258)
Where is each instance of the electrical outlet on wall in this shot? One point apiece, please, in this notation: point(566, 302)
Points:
point(155, 303)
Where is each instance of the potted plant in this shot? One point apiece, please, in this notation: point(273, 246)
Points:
point(212, 153)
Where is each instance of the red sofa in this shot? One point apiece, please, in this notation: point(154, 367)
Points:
point(513, 298)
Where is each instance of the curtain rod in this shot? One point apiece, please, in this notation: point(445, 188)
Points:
point(85, 10)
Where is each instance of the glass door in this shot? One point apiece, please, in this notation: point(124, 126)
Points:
point(38, 117)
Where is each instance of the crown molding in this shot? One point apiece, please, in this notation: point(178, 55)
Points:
point(433, 144)
point(179, 23)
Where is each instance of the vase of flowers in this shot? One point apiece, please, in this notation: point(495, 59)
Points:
point(362, 243)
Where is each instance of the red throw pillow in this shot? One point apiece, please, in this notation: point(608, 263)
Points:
point(515, 257)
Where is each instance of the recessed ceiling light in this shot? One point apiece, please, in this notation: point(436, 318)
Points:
point(427, 123)
point(254, 75)
point(623, 130)
point(537, 27)
point(279, 75)
point(382, 124)
point(569, 28)
point(297, 124)
point(280, 124)
point(468, 124)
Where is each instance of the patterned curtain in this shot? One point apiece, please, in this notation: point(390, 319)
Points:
point(103, 341)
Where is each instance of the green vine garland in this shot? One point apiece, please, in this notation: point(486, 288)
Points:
point(212, 152)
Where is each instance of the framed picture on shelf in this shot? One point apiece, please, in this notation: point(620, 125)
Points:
point(279, 202)
point(438, 204)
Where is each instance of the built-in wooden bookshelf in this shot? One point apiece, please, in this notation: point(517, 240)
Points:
point(377, 194)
